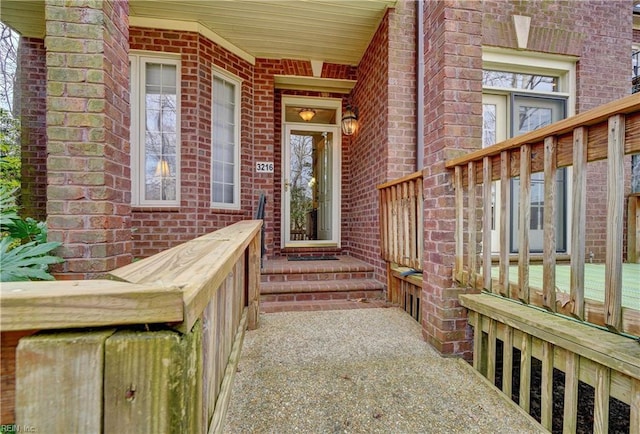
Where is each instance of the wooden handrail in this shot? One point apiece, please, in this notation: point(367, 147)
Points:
point(598, 115)
point(197, 267)
point(170, 287)
point(86, 303)
point(405, 178)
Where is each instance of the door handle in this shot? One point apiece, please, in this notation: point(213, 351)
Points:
point(287, 184)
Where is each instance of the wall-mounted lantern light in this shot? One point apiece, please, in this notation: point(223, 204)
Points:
point(307, 114)
point(350, 120)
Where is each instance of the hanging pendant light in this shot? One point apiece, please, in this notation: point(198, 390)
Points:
point(307, 114)
point(350, 120)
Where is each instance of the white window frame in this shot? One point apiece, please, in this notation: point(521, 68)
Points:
point(137, 60)
point(563, 67)
point(237, 82)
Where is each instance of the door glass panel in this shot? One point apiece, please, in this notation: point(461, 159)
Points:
point(531, 113)
point(494, 130)
point(310, 185)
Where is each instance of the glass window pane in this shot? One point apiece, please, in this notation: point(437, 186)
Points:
point(489, 130)
point(514, 80)
point(224, 123)
point(161, 144)
point(217, 172)
point(153, 74)
point(217, 193)
point(532, 118)
point(228, 173)
point(228, 193)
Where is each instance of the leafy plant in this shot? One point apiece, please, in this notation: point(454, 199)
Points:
point(25, 253)
point(28, 261)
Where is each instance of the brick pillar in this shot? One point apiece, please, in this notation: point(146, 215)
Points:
point(401, 136)
point(453, 121)
point(88, 122)
point(31, 99)
point(264, 145)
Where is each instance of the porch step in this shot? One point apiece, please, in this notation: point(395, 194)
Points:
point(345, 283)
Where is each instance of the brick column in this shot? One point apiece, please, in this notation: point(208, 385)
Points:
point(453, 122)
point(31, 99)
point(88, 134)
point(401, 137)
point(264, 145)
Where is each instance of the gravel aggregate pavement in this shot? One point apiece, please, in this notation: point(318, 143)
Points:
point(359, 371)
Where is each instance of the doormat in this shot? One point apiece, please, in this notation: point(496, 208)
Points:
point(312, 258)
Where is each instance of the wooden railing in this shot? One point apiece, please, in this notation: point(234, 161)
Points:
point(401, 241)
point(401, 216)
point(609, 132)
point(154, 352)
point(518, 315)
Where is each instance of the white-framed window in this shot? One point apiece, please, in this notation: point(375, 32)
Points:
point(225, 140)
point(155, 129)
point(523, 92)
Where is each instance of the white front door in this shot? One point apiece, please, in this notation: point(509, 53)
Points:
point(311, 185)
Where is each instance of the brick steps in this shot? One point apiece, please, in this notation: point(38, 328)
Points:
point(318, 285)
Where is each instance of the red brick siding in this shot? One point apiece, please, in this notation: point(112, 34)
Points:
point(156, 229)
point(368, 156)
point(402, 91)
point(117, 121)
point(87, 128)
point(385, 146)
point(453, 112)
point(264, 142)
point(32, 97)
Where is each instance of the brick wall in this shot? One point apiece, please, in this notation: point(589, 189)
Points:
point(87, 130)
point(31, 104)
point(157, 229)
point(368, 156)
point(384, 147)
point(453, 115)
point(402, 91)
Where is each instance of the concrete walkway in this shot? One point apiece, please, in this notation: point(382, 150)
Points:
point(359, 371)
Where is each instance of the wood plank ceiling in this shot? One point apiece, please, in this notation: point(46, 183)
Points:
point(333, 31)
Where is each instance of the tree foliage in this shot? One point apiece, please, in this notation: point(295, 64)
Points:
point(8, 66)
point(9, 151)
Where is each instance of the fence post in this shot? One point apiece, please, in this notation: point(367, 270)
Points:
point(615, 224)
point(59, 382)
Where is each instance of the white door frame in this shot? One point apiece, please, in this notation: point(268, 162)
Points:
point(287, 127)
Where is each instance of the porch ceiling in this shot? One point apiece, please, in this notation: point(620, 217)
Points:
point(334, 31)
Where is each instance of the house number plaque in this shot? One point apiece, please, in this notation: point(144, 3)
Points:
point(264, 166)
